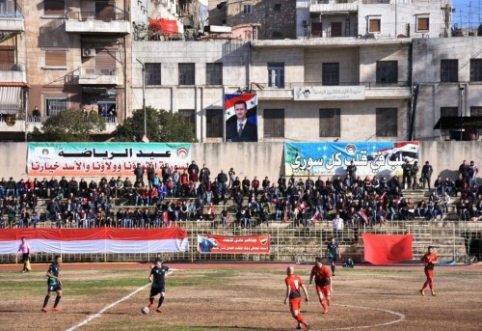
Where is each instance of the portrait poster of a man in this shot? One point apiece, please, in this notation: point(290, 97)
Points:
point(241, 117)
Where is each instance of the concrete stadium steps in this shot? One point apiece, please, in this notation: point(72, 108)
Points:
point(297, 244)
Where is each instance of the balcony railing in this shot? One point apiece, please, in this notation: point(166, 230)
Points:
point(107, 16)
point(291, 85)
point(98, 71)
point(10, 67)
point(32, 120)
point(327, 2)
point(11, 14)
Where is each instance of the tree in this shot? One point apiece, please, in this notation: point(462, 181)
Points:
point(162, 126)
point(70, 125)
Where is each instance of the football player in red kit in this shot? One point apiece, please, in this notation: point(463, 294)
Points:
point(294, 284)
point(323, 282)
point(429, 260)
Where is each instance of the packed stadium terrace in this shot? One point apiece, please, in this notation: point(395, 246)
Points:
point(161, 201)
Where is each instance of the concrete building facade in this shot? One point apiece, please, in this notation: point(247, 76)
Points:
point(76, 55)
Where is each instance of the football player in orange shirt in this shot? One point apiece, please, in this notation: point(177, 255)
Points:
point(429, 260)
point(294, 284)
point(323, 282)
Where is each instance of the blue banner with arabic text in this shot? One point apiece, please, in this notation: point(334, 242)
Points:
point(382, 158)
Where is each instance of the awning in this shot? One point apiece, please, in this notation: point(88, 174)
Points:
point(99, 90)
point(8, 84)
point(458, 122)
point(10, 99)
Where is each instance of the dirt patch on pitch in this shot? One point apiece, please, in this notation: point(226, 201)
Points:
point(253, 300)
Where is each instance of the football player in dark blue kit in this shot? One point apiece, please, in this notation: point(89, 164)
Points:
point(158, 279)
point(54, 284)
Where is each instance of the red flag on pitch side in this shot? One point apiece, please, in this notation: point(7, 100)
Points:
point(387, 249)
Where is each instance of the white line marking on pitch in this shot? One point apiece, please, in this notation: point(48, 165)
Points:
point(401, 317)
point(106, 308)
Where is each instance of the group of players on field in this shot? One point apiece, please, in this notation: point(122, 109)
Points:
point(320, 273)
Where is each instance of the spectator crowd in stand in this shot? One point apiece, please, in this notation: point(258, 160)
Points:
point(194, 193)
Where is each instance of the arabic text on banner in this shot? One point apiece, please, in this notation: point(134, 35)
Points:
point(103, 159)
point(233, 244)
point(381, 158)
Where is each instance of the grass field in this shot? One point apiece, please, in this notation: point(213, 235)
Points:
point(241, 297)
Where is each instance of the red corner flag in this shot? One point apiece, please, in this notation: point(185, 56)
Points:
point(387, 249)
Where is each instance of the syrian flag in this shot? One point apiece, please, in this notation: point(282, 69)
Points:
point(229, 100)
point(316, 217)
point(363, 215)
point(99, 240)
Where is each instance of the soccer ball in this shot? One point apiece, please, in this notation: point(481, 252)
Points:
point(145, 310)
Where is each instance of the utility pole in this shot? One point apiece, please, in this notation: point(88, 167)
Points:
point(144, 97)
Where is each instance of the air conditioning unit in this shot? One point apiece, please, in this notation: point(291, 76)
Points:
point(88, 52)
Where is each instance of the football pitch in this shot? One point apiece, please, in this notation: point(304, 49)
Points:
point(240, 297)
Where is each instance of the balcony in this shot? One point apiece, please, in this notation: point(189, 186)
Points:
point(12, 73)
point(37, 122)
point(98, 76)
point(114, 21)
point(316, 91)
point(12, 123)
point(333, 6)
point(11, 21)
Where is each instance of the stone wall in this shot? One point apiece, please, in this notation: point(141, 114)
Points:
point(267, 159)
point(277, 17)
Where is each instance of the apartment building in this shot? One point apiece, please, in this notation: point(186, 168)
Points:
point(13, 74)
point(63, 54)
point(346, 76)
point(447, 81)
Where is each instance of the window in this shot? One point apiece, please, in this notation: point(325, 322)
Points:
point(387, 122)
point(336, 29)
point(449, 111)
point(317, 29)
point(387, 72)
point(449, 70)
point(277, 7)
point(190, 116)
point(7, 57)
point(475, 111)
point(374, 25)
point(153, 73)
point(214, 123)
point(247, 9)
point(423, 24)
point(214, 74)
point(186, 74)
point(330, 122)
point(331, 74)
point(276, 75)
point(476, 70)
point(55, 105)
point(54, 7)
point(55, 58)
point(274, 123)
point(277, 35)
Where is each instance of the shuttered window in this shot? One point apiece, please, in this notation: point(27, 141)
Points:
point(7, 58)
point(105, 61)
point(336, 29)
point(55, 58)
point(54, 7)
point(274, 123)
point(330, 124)
point(317, 29)
point(214, 123)
point(423, 24)
point(375, 25)
point(386, 119)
